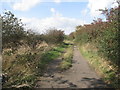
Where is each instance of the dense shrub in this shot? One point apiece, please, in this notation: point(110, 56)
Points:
point(32, 39)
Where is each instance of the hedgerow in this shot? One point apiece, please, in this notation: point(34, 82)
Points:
point(104, 35)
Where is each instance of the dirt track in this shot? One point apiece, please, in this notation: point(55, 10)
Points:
point(80, 75)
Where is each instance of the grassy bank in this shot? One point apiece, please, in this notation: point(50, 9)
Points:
point(103, 67)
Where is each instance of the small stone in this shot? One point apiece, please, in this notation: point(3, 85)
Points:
point(47, 80)
point(57, 79)
point(23, 86)
point(72, 85)
point(73, 71)
point(52, 76)
point(46, 75)
point(63, 81)
point(59, 71)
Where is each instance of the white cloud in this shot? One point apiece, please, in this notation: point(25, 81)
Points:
point(41, 25)
point(57, 1)
point(55, 13)
point(52, 10)
point(55, 21)
point(24, 5)
point(95, 5)
point(84, 11)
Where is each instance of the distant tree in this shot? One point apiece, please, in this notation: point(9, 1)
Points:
point(71, 36)
point(54, 36)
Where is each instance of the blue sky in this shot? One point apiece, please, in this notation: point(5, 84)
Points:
point(60, 14)
point(68, 9)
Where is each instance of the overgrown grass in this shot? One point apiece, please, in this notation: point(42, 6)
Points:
point(67, 58)
point(46, 58)
point(102, 66)
point(50, 55)
point(24, 66)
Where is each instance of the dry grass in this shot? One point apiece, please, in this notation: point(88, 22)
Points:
point(21, 66)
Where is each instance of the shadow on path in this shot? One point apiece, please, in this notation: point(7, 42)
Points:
point(80, 75)
point(93, 82)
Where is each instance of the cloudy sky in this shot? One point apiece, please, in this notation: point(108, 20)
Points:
point(41, 15)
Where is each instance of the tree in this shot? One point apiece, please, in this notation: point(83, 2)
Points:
point(12, 30)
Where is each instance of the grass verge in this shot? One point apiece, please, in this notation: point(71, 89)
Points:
point(50, 55)
point(102, 66)
point(67, 58)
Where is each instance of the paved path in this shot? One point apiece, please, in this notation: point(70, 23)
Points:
point(80, 75)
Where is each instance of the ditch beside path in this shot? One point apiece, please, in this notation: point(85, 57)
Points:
point(80, 75)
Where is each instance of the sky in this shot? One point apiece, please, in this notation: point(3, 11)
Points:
point(41, 15)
